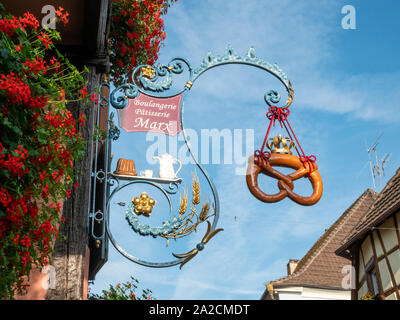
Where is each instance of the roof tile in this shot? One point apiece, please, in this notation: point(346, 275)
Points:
point(386, 201)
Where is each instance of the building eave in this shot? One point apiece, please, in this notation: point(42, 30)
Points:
point(358, 237)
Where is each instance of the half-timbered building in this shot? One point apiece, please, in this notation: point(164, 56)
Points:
point(321, 274)
point(373, 246)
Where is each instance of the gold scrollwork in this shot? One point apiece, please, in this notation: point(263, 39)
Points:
point(291, 95)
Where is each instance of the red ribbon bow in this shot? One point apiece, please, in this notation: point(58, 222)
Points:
point(263, 155)
point(277, 113)
point(310, 160)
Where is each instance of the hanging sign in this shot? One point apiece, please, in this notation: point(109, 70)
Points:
point(138, 112)
point(151, 114)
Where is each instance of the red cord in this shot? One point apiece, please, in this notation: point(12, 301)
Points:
point(281, 114)
point(276, 113)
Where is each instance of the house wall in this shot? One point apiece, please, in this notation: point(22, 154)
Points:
point(306, 293)
point(381, 250)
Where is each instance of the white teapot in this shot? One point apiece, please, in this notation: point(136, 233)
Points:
point(166, 166)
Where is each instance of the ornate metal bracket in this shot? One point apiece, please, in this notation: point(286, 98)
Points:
point(158, 79)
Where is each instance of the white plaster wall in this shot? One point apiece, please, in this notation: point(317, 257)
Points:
point(394, 260)
point(388, 234)
point(378, 246)
point(385, 275)
point(367, 249)
point(304, 293)
point(391, 297)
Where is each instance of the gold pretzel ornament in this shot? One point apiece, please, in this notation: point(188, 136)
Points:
point(260, 164)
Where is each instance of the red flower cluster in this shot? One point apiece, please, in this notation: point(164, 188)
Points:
point(14, 164)
point(38, 146)
point(5, 198)
point(137, 31)
point(84, 92)
point(45, 39)
point(9, 25)
point(55, 64)
point(35, 66)
point(19, 92)
point(94, 98)
point(82, 119)
point(29, 20)
point(63, 15)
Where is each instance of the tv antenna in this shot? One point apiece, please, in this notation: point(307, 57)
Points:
point(384, 160)
point(379, 168)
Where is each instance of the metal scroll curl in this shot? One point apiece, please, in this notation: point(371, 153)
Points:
point(159, 78)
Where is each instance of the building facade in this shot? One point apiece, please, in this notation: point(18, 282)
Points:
point(373, 247)
point(321, 274)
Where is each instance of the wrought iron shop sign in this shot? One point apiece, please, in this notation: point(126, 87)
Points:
point(140, 110)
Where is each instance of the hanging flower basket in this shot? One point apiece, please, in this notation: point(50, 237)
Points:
point(136, 35)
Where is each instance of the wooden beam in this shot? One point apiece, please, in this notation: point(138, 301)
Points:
point(69, 256)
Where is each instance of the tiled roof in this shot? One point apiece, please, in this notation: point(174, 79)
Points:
point(321, 267)
point(387, 202)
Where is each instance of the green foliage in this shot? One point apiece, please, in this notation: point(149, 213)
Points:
point(124, 291)
point(368, 296)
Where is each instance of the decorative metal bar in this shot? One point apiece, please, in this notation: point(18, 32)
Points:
point(97, 175)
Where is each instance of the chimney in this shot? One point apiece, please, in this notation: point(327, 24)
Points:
point(291, 266)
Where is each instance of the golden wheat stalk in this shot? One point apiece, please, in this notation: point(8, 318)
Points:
point(204, 212)
point(190, 224)
point(183, 204)
point(195, 190)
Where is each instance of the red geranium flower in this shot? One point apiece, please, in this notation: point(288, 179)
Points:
point(45, 39)
point(29, 20)
point(35, 66)
point(82, 119)
point(84, 92)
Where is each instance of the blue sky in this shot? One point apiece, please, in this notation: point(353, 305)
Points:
point(346, 95)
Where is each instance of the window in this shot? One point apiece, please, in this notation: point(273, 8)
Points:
point(372, 279)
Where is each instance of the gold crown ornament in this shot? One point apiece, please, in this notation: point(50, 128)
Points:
point(280, 144)
point(143, 204)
